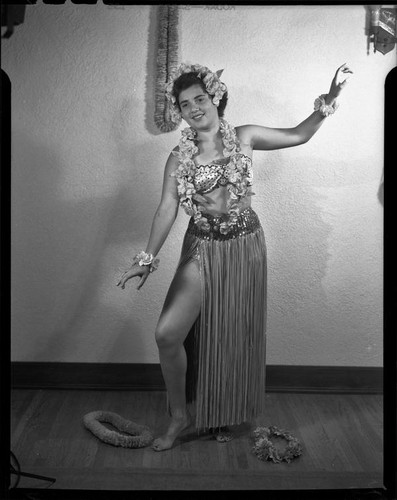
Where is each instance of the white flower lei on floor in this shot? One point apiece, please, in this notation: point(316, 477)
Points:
point(238, 171)
point(128, 434)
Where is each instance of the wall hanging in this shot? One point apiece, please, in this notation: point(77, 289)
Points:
point(382, 30)
point(167, 61)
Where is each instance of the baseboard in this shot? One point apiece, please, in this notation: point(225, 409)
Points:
point(148, 377)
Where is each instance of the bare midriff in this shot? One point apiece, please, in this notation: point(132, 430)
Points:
point(215, 202)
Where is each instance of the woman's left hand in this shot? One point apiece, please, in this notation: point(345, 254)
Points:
point(339, 81)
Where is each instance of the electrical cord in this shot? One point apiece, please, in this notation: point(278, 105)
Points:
point(13, 470)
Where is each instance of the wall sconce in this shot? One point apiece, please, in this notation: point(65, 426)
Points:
point(382, 29)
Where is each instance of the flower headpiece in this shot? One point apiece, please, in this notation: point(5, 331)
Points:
point(211, 80)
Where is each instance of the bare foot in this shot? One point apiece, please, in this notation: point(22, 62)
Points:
point(222, 434)
point(177, 425)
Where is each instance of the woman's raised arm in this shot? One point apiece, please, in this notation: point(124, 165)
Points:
point(266, 138)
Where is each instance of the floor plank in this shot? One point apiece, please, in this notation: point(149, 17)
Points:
point(341, 437)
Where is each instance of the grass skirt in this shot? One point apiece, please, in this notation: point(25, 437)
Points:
point(226, 347)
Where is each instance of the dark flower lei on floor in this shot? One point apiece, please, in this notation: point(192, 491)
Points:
point(264, 449)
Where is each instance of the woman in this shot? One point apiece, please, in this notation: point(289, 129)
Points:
point(211, 331)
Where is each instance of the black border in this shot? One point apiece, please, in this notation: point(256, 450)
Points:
point(390, 291)
point(5, 276)
point(390, 324)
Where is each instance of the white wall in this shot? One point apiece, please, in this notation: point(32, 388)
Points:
point(87, 170)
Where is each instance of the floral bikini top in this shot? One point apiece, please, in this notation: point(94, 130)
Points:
point(215, 174)
point(236, 174)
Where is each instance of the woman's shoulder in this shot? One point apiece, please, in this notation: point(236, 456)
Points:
point(243, 130)
point(172, 160)
point(174, 155)
point(244, 135)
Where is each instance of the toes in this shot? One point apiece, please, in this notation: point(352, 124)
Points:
point(159, 446)
point(224, 437)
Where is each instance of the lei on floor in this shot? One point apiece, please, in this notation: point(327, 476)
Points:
point(264, 449)
point(238, 172)
point(127, 434)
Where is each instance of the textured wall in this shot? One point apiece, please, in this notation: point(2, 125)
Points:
point(88, 162)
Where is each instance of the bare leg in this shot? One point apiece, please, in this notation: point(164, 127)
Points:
point(181, 309)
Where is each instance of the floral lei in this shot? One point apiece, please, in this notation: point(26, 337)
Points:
point(264, 449)
point(238, 171)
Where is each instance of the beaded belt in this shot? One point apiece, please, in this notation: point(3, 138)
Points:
point(247, 222)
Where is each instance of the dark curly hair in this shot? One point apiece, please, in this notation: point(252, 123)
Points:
point(187, 80)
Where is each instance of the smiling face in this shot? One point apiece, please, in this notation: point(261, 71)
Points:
point(197, 107)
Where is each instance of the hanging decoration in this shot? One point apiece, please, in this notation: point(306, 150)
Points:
point(382, 30)
point(167, 62)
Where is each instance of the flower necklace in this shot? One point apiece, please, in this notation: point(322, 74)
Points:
point(238, 172)
point(264, 449)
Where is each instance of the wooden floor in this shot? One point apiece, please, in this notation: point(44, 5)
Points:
point(341, 437)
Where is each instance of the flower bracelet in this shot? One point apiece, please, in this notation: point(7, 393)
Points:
point(325, 109)
point(146, 259)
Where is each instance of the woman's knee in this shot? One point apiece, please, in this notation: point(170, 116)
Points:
point(165, 337)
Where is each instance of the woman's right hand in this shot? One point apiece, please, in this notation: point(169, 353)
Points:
point(339, 81)
point(135, 270)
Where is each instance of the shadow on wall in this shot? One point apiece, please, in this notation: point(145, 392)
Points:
point(58, 254)
point(316, 272)
point(297, 261)
point(381, 191)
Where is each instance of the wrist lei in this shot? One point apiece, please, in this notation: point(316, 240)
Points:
point(264, 449)
point(146, 259)
point(325, 109)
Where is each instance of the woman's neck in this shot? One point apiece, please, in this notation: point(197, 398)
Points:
point(209, 135)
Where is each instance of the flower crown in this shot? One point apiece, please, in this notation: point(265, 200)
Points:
point(211, 80)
